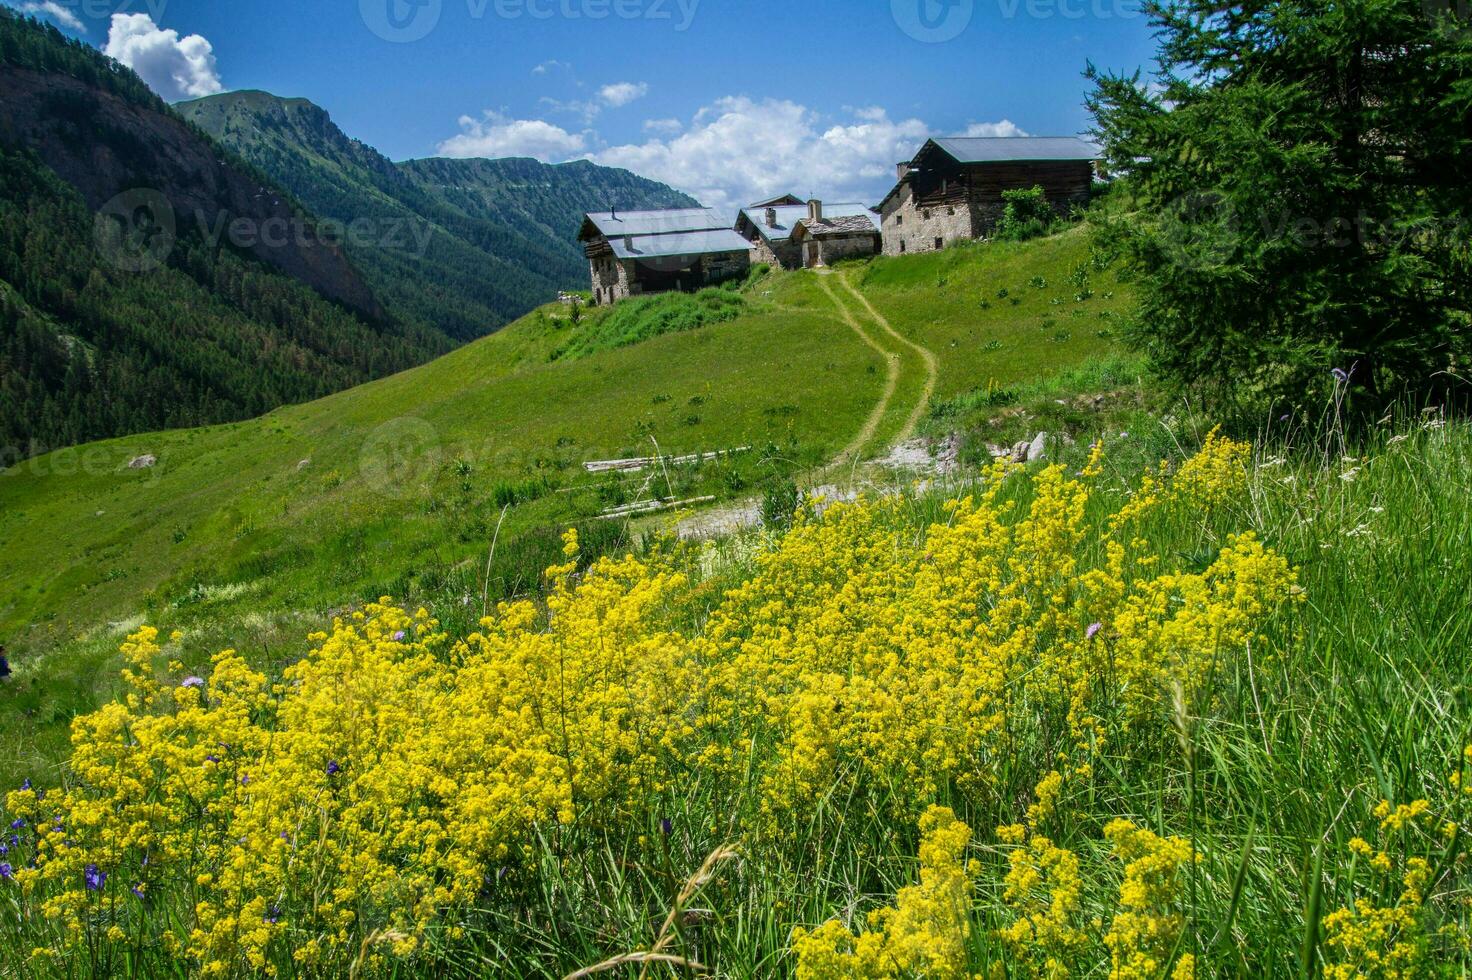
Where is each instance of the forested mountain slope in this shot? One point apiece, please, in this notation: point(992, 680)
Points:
point(463, 246)
point(148, 278)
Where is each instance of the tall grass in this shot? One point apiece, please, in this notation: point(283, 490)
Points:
point(643, 318)
point(1363, 698)
point(1357, 696)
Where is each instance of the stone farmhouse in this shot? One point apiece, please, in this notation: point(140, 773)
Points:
point(952, 189)
point(807, 235)
point(639, 252)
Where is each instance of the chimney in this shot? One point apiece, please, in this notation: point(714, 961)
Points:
point(815, 210)
point(771, 217)
point(629, 243)
point(613, 213)
point(901, 169)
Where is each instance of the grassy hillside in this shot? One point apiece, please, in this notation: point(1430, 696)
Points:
point(247, 531)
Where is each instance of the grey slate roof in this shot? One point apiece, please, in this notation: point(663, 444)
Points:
point(789, 215)
point(998, 149)
point(699, 242)
point(855, 224)
point(659, 222)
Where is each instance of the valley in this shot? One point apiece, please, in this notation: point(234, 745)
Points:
point(396, 487)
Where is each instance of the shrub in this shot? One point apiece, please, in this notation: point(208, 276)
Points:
point(633, 321)
point(1025, 214)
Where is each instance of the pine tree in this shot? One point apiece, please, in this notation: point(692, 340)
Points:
point(1302, 174)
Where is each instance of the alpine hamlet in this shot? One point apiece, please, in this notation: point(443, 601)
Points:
point(949, 191)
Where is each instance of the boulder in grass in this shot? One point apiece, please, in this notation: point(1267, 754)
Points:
point(142, 462)
point(1039, 447)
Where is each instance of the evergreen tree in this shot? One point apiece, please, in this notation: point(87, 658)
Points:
point(1303, 176)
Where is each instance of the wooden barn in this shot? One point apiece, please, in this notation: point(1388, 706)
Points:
point(634, 253)
point(952, 189)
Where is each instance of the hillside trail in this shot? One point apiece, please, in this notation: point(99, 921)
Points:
point(927, 357)
point(738, 514)
point(853, 452)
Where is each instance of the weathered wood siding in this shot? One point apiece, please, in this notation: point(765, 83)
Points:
point(948, 203)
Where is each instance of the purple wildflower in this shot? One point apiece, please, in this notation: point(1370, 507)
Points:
point(6, 872)
point(4, 849)
point(17, 823)
point(399, 636)
point(137, 891)
point(1093, 630)
point(665, 826)
point(245, 780)
point(273, 916)
point(95, 878)
point(25, 784)
point(333, 768)
point(193, 682)
point(1340, 375)
point(211, 758)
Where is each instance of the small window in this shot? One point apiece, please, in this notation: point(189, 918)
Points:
point(899, 220)
point(940, 243)
point(902, 248)
point(950, 212)
point(925, 214)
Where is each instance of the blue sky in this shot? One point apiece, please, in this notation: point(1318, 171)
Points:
point(727, 99)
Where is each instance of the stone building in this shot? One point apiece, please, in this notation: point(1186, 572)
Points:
point(636, 253)
point(952, 189)
point(770, 227)
point(825, 238)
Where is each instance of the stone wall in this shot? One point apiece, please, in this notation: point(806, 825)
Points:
point(720, 266)
point(837, 248)
point(613, 279)
point(910, 227)
point(783, 254)
point(968, 204)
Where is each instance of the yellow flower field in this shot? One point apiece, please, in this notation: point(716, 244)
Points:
point(398, 798)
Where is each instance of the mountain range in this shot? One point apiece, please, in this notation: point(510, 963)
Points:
point(176, 266)
point(464, 246)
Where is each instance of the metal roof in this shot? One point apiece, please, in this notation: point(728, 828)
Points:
point(659, 222)
point(789, 215)
point(997, 149)
point(678, 243)
point(786, 200)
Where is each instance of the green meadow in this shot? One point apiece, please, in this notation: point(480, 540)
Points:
point(244, 535)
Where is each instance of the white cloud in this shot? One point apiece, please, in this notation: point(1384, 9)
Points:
point(739, 150)
point(735, 150)
point(611, 96)
point(174, 67)
point(1004, 128)
point(622, 93)
point(55, 11)
point(496, 135)
point(547, 66)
